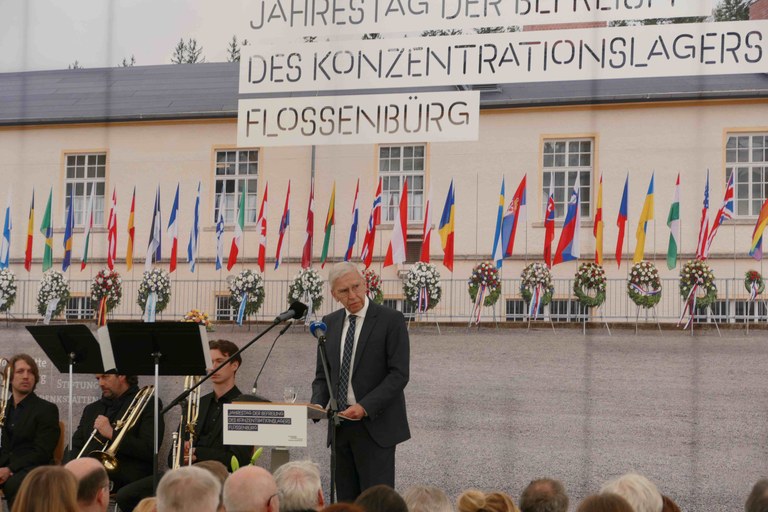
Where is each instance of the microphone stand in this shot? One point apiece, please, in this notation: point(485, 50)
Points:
point(333, 412)
point(253, 396)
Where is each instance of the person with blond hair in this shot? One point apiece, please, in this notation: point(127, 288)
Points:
point(422, 498)
point(47, 489)
point(478, 501)
point(640, 492)
point(188, 489)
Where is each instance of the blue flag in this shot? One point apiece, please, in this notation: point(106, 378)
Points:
point(194, 233)
point(68, 236)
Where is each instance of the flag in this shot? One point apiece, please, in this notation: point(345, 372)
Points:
point(597, 228)
point(237, 238)
point(568, 247)
point(426, 235)
point(220, 239)
point(194, 233)
point(701, 244)
point(515, 212)
point(46, 228)
point(642, 223)
point(621, 221)
point(673, 221)
point(309, 237)
point(330, 220)
point(724, 213)
point(374, 219)
point(446, 228)
point(154, 251)
point(131, 233)
point(112, 232)
point(261, 228)
point(68, 231)
point(88, 221)
point(173, 229)
point(285, 221)
point(497, 253)
point(353, 227)
point(5, 242)
point(396, 250)
point(549, 224)
point(756, 250)
point(30, 234)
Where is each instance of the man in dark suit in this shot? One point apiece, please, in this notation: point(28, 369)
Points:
point(369, 354)
point(31, 429)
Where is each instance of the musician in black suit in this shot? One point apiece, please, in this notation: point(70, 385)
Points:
point(31, 429)
point(376, 369)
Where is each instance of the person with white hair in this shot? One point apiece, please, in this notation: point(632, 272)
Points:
point(640, 492)
point(422, 498)
point(299, 485)
point(251, 489)
point(188, 489)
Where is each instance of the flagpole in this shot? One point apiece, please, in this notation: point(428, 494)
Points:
point(477, 209)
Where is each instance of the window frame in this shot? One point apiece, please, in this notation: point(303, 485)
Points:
point(583, 172)
point(82, 185)
point(749, 167)
point(236, 180)
point(392, 180)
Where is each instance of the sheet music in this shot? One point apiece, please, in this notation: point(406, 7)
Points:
point(107, 356)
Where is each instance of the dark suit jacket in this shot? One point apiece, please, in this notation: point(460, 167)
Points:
point(34, 437)
point(379, 374)
point(134, 455)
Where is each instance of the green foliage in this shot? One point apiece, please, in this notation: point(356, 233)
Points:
point(732, 10)
point(187, 53)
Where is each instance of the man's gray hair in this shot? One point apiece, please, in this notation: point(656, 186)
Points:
point(299, 484)
point(640, 492)
point(340, 269)
point(188, 489)
point(422, 498)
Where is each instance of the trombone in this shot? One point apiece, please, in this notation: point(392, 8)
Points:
point(5, 393)
point(187, 422)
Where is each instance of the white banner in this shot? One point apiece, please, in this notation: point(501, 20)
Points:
point(263, 424)
point(370, 118)
point(270, 19)
point(541, 56)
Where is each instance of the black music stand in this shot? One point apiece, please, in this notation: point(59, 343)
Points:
point(162, 348)
point(73, 349)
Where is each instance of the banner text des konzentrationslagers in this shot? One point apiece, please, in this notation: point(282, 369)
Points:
point(541, 56)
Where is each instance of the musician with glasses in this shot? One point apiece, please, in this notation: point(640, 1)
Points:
point(31, 427)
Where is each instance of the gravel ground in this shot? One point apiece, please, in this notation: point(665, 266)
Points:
point(494, 409)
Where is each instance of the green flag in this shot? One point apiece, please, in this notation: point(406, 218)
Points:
point(330, 220)
point(673, 221)
point(46, 228)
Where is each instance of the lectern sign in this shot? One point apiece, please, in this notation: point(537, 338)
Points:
point(265, 424)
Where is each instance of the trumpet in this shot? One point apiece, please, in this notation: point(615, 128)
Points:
point(129, 419)
point(187, 422)
point(4, 394)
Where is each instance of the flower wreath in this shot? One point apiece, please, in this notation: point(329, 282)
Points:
point(373, 285)
point(156, 280)
point(536, 274)
point(52, 285)
point(7, 289)
point(589, 280)
point(698, 272)
point(753, 282)
point(199, 317)
point(109, 284)
point(644, 284)
point(422, 276)
point(251, 284)
point(307, 283)
point(485, 275)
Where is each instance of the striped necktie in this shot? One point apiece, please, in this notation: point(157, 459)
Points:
point(346, 363)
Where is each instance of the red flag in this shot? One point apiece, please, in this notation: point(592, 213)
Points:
point(285, 221)
point(621, 221)
point(366, 252)
point(261, 228)
point(131, 233)
point(306, 253)
point(396, 249)
point(112, 232)
point(549, 225)
point(30, 235)
point(426, 235)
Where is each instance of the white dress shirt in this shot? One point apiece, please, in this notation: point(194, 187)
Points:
point(358, 328)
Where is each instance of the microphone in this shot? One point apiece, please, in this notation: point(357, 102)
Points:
point(297, 310)
point(318, 329)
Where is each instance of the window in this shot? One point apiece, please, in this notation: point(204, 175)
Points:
point(747, 155)
point(236, 170)
point(224, 310)
point(565, 163)
point(516, 310)
point(398, 163)
point(570, 310)
point(79, 308)
point(407, 309)
point(83, 173)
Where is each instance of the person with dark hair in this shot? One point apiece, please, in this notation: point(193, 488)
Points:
point(669, 505)
point(92, 484)
point(343, 507)
point(758, 498)
point(381, 498)
point(605, 502)
point(31, 429)
point(544, 495)
point(47, 489)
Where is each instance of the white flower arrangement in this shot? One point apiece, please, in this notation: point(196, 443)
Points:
point(307, 283)
point(53, 285)
point(589, 284)
point(422, 276)
point(109, 284)
point(156, 280)
point(536, 274)
point(698, 272)
point(7, 289)
point(247, 282)
point(644, 284)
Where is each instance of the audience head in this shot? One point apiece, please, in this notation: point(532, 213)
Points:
point(669, 505)
point(422, 498)
point(92, 483)
point(188, 489)
point(606, 502)
point(251, 489)
point(146, 505)
point(758, 498)
point(477, 501)
point(544, 495)
point(381, 498)
point(299, 485)
point(218, 470)
point(343, 507)
point(640, 492)
point(47, 489)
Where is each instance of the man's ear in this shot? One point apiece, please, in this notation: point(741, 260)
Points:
point(320, 499)
point(102, 497)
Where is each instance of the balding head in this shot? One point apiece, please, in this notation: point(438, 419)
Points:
point(92, 483)
point(251, 489)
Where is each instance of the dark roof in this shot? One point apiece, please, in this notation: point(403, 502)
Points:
point(198, 91)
